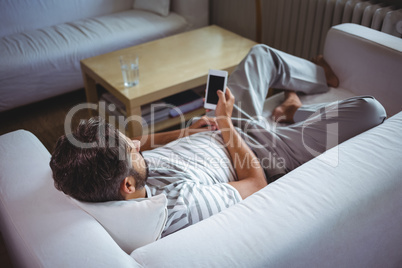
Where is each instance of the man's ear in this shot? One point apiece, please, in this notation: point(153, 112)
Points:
point(127, 187)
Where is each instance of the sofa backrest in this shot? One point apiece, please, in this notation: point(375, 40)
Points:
point(23, 15)
point(367, 62)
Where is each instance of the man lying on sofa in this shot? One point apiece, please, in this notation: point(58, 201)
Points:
point(226, 159)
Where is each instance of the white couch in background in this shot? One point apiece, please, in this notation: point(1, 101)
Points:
point(42, 42)
point(342, 209)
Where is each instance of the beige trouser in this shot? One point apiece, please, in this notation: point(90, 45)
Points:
point(317, 127)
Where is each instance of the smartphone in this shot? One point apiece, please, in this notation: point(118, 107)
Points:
point(216, 81)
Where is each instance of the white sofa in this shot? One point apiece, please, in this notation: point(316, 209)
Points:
point(342, 209)
point(42, 42)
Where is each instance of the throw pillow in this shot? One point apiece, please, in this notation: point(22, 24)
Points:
point(131, 223)
point(160, 7)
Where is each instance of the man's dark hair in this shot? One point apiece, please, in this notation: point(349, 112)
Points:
point(93, 170)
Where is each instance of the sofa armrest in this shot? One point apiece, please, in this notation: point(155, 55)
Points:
point(341, 209)
point(196, 12)
point(367, 62)
point(40, 225)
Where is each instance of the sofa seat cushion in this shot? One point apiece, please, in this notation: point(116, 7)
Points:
point(50, 56)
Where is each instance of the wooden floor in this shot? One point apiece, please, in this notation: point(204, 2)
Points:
point(45, 120)
point(4, 258)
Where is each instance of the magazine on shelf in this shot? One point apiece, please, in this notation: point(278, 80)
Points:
point(145, 109)
point(151, 113)
point(172, 106)
point(184, 102)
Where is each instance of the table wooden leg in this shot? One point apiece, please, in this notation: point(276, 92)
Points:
point(90, 91)
point(133, 120)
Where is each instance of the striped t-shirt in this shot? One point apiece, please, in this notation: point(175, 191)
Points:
point(193, 173)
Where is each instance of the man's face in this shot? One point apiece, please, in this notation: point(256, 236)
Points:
point(139, 165)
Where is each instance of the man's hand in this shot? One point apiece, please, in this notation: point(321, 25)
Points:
point(155, 140)
point(249, 172)
point(205, 123)
point(224, 108)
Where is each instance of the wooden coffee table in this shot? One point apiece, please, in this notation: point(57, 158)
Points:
point(167, 66)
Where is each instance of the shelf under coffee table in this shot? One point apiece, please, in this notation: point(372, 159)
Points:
point(167, 66)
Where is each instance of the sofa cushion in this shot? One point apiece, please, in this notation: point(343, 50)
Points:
point(333, 94)
point(160, 7)
point(46, 62)
point(131, 223)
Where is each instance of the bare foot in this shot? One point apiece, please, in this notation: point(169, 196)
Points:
point(284, 113)
point(332, 80)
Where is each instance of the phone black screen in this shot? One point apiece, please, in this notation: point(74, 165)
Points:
point(215, 83)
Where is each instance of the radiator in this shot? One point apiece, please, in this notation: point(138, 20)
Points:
point(299, 27)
